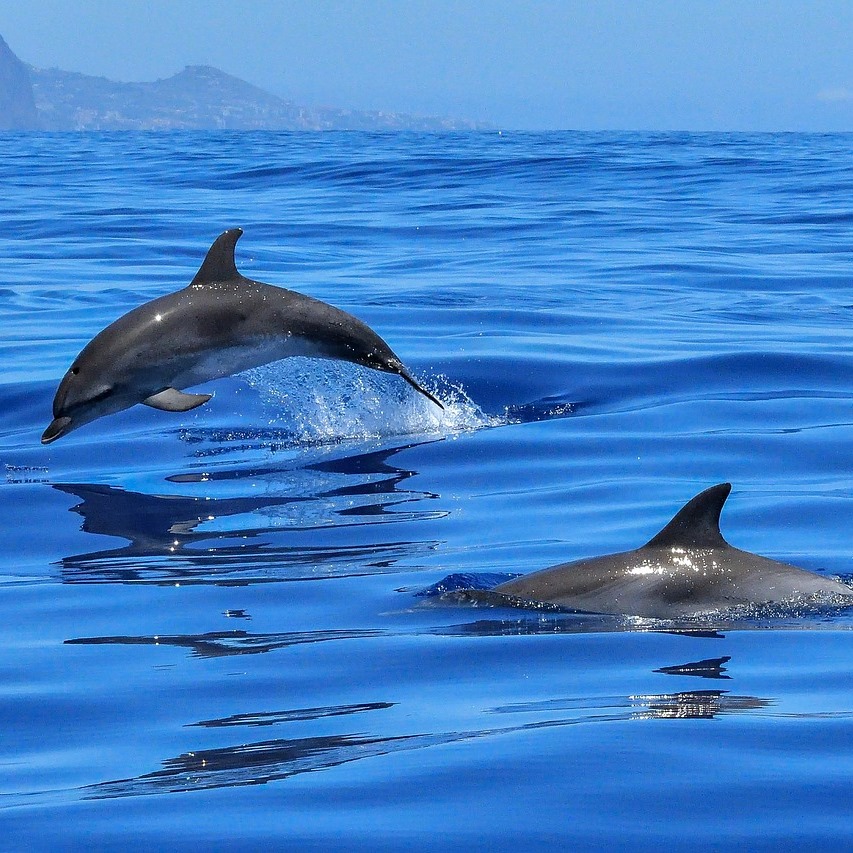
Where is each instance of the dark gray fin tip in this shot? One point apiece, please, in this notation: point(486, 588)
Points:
point(219, 265)
point(697, 523)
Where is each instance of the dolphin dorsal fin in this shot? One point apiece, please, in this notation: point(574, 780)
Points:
point(697, 523)
point(218, 265)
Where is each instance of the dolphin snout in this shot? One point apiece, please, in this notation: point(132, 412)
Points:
point(57, 428)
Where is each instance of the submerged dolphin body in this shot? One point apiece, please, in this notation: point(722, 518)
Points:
point(220, 324)
point(688, 569)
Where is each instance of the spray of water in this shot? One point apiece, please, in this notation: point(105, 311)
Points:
point(320, 402)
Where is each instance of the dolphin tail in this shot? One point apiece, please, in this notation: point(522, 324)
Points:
point(413, 382)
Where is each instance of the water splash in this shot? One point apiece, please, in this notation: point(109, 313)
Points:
point(321, 402)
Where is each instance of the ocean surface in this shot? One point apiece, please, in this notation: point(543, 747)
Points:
point(211, 633)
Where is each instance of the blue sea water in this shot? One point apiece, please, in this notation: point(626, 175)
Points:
point(211, 636)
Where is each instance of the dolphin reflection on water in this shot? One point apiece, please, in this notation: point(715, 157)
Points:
point(208, 532)
point(256, 762)
point(220, 324)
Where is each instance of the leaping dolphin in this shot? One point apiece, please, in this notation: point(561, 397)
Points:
point(220, 324)
point(688, 569)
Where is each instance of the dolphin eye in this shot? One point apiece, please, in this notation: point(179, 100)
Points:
point(75, 370)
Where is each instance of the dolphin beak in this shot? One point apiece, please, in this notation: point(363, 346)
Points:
point(410, 379)
point(57, 428)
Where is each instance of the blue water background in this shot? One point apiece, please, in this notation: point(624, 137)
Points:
point(210, 636)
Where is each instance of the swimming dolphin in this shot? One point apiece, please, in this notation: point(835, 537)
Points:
point(218, 325)
point(688, 569)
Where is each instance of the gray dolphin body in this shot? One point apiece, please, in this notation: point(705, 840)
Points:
point(220, 324)
point(688, 569)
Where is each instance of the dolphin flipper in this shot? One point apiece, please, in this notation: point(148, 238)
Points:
point(172, 400)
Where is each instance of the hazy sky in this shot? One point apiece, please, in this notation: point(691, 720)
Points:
point(621, 64)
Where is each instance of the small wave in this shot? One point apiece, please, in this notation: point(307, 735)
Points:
point(545, 409)
point(466, 581)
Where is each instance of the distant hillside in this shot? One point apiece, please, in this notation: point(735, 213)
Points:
point(17, 107)
point(197, 98)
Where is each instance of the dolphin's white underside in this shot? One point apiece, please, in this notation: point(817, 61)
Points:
point(219, 362)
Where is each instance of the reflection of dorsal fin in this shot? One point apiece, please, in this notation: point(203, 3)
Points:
point(219, 263)
point(697, 523)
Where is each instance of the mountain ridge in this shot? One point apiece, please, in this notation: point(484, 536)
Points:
point(200, 97)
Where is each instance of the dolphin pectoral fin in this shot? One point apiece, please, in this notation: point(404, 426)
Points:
point(411, 380)
point(172, 400)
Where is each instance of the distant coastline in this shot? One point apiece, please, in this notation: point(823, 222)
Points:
point(198, 98)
